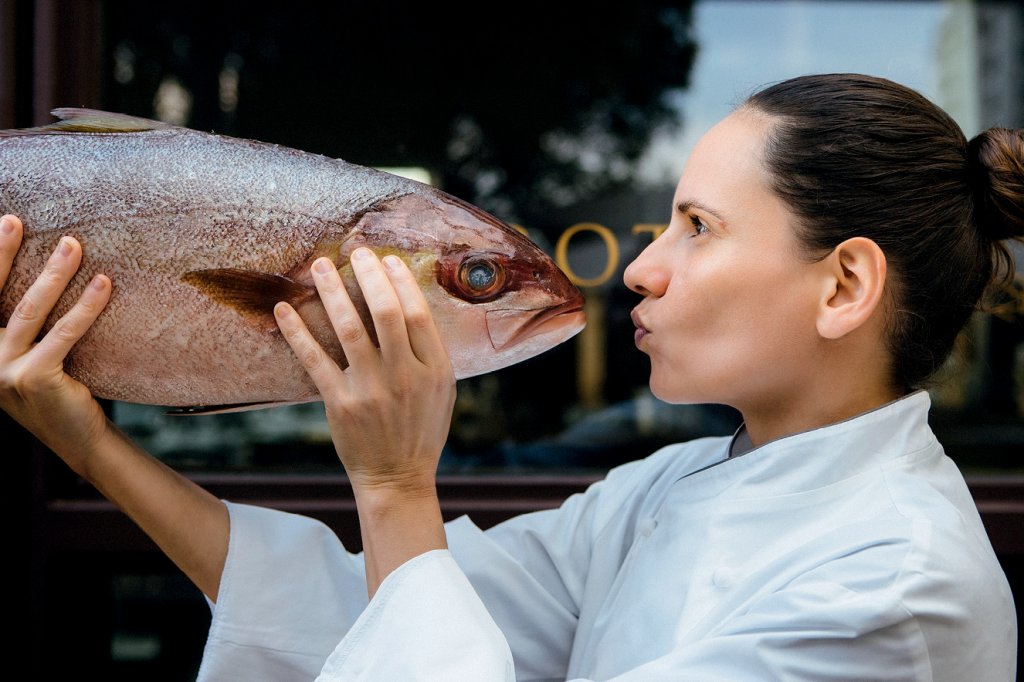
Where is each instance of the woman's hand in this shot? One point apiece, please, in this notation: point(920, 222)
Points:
point(34, 389)
point(389, 411)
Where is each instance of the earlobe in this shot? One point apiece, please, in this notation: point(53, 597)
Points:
point(856, 275)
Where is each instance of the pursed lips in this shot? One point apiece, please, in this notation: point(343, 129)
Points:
point(641, 330)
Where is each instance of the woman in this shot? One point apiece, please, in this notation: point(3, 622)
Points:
point(828, 240)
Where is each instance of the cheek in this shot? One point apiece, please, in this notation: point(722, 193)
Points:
point(712, 294)
point(742, 316)
point(777, 317)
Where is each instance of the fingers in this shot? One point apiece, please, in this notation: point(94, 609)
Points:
point(385, 308)
point(423, 337)
point(349, 328)
point(401, 317)
point(321, 369)
point(10, 240)
point(31, 312)
point(72, 326)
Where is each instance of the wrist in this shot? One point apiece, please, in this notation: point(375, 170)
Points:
point(90, 453)
point(394, 489)
point(382, 507)
point(397, 523)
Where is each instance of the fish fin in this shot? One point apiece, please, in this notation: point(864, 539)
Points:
point(253, 294)
point(91, 121)
point(226, 409)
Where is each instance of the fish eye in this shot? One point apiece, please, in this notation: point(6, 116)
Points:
point(481, 278)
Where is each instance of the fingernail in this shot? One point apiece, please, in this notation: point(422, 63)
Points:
point(322, 266)
point(6, 225)
point(361, 253)
point(97, 283)
point(392, 262)
point(282, 310)
point(64, 248)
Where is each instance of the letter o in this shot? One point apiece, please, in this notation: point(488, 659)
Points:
point(562, 255)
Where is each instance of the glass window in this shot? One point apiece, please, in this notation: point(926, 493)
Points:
point(573, 126)
point(571, 122)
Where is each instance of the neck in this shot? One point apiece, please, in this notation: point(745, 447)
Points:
point(811, 410)
point(838, 380)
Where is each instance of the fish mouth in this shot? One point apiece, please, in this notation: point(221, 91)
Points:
point(507, 327)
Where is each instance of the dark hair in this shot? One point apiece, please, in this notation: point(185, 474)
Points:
point(858, 156)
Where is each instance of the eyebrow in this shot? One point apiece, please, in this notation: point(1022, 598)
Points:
point(686, 205)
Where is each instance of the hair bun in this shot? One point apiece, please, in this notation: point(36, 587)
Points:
point(995, 160)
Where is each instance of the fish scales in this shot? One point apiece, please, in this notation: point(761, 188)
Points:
point(184, 222)
point(176, 200)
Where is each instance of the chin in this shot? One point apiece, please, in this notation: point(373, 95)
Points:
point(679, 388)
point(673, 394)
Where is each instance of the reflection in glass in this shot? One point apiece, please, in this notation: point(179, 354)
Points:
point(573, 126)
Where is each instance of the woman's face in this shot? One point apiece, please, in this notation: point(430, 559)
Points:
point(728, 314)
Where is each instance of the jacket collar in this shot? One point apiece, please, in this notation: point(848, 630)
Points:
point(828, 454)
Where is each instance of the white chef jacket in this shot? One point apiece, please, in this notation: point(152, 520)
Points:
point(849, 552)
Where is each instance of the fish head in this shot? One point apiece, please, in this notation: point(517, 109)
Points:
point(495, 296)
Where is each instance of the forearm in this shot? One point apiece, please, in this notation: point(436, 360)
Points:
point(397, 526)
point(188, 523)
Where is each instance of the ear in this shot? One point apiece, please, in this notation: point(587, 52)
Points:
point(854, 285)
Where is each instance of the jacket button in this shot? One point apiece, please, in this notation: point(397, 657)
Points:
point(646, 526)
point(724, 578)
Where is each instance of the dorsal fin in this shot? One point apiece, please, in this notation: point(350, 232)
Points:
point(91, 121)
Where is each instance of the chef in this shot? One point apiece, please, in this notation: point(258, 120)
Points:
point(828, 240)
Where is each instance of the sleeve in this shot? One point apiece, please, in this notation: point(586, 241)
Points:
point(424, 623)
point(288, 593)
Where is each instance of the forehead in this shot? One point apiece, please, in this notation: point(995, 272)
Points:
point(725, 167)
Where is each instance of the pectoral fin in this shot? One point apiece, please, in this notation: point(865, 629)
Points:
point(253, 294)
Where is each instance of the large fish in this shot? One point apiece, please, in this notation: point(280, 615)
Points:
point(202, 234)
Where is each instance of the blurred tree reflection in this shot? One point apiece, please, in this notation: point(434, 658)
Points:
point(534, 109)
point(535, 106)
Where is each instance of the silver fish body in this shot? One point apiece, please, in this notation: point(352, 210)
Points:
point(201, 234)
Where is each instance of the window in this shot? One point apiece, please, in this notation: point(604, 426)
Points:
point(574, 127)
point(572, 124)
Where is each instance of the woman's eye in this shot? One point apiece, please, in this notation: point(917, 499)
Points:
point(699, 227)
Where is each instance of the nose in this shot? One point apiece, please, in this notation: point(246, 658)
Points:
point(646, 275)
